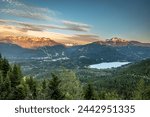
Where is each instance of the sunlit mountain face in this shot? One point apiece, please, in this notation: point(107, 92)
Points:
point(36, 42)
point(32, 23)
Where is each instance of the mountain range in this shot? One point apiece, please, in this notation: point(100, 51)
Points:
point(114, 49)
point(37, 57)
point(36, 42)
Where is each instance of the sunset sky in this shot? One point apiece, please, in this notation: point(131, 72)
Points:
point(78, 19)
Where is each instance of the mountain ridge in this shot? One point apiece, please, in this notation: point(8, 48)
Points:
point(115, 41)
point(29, 42)
point(36, 42)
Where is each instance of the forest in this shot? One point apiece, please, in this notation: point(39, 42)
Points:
point(128, 83)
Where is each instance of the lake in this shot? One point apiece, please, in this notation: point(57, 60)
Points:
point(108, 65)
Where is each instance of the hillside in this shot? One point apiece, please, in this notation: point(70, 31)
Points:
point(129, 82)
point(105, 84)
point(141, 68)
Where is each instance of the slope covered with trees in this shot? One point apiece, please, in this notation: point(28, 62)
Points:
point(132, 82)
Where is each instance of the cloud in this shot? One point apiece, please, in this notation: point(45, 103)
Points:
point(19, 9)
point(21, 13)
point(86, 37)
point(2, 22)
point(73, 27)
point(36, 27)
point(22, 26)
point(10, 30)
point(76, 26)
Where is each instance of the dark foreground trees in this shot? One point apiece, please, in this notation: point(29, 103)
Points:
point(90, 93)
point(54, 91)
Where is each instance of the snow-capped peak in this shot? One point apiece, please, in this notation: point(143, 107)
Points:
point(116, 39)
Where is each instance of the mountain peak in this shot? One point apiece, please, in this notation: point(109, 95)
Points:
point(116, 39)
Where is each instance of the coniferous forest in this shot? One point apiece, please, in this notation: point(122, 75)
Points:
point(128, 83)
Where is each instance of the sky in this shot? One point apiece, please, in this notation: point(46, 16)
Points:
point(77, 19)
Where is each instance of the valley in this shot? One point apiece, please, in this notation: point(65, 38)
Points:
point(43, 60)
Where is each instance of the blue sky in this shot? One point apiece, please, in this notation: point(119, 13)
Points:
point(128, 19)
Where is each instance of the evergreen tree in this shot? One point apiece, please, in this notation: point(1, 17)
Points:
point(43, 90)
point(34, 90)
point(44, 85)
point(19, 93)
point(7, 88)
point(11, 77)
point(146, 94)
point(138, 94)
point(1, 63)
point(16, 76)
point(89, 92)
point(1, 85)
point(5, 67)
point(25, 88)
point(54, 91)
point(70, 85)
point(1, 79)
point(32, 87)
